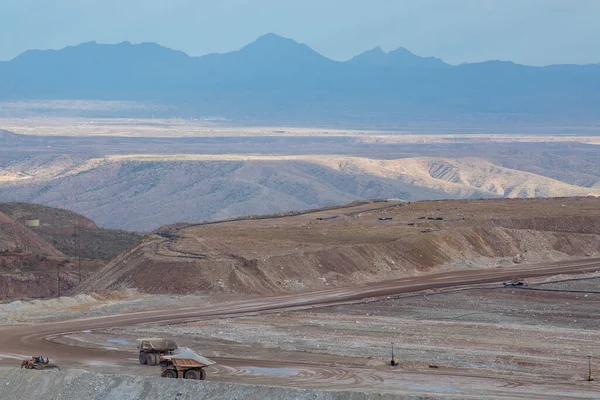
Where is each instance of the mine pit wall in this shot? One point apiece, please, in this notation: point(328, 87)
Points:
point(348, 264)
point(18, 384)
point(424, 254)
point(34, 286)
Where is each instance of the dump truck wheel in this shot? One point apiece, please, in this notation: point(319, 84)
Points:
point(191, 374)
point(169, 373)
point(202, 375)
point(151, 359)
point(142, 358)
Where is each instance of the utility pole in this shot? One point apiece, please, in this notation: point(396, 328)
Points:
point(19, 242)
point(77, 245)
point(79, 258)
point(394, 362)
point(93, 245)
point(75, 237)
point(58, 277)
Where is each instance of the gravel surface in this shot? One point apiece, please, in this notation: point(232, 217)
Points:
point(76, 385)
point(542, 329)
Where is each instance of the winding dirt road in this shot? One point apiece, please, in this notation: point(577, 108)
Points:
point(32, 339)
point(37, 339)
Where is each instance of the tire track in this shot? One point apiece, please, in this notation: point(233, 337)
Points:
point(38, 338)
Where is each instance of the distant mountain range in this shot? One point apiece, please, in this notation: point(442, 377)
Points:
point(279, 80)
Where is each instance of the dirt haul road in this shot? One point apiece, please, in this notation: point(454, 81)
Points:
point(19, 340)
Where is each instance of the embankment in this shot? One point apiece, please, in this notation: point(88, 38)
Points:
point(350, 246)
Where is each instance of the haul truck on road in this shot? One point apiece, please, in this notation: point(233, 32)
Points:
point(151, 349)
point(184, 363)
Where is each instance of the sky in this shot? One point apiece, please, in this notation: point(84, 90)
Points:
point(534, 32)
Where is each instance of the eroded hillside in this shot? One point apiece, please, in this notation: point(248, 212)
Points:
point(72, 233)
point(363, 242)
point(141, 192)
point(16, 238)
point(43, 261)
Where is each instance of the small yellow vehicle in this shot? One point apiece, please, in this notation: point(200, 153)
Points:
point(38, 363)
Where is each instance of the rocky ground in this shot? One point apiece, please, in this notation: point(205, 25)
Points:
point(486, 341)
point(543, 329)
point(495, 341)
point(76, 385)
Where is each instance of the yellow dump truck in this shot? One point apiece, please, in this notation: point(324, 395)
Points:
point(184, 363)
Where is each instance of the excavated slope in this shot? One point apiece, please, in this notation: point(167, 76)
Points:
point(15, 236)
point(31, 259)
point(59, 227)
point(368, 242)
point(27, 262)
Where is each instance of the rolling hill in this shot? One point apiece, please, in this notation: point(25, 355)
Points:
point(35, 261)
point(16, 238)
point(141, 192)
point(60, 227)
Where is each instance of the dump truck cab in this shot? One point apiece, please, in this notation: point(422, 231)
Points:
point(151, 349)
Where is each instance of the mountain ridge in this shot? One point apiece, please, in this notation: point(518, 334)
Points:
point(269, 38)
point(276, 79)
point(400, 58)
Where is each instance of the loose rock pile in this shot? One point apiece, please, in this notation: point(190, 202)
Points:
point(75, 385)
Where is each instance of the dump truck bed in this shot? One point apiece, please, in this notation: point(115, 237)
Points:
point(187, 358)
point(158, 344)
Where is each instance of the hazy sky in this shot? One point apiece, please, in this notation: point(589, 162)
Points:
point(526, 31)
